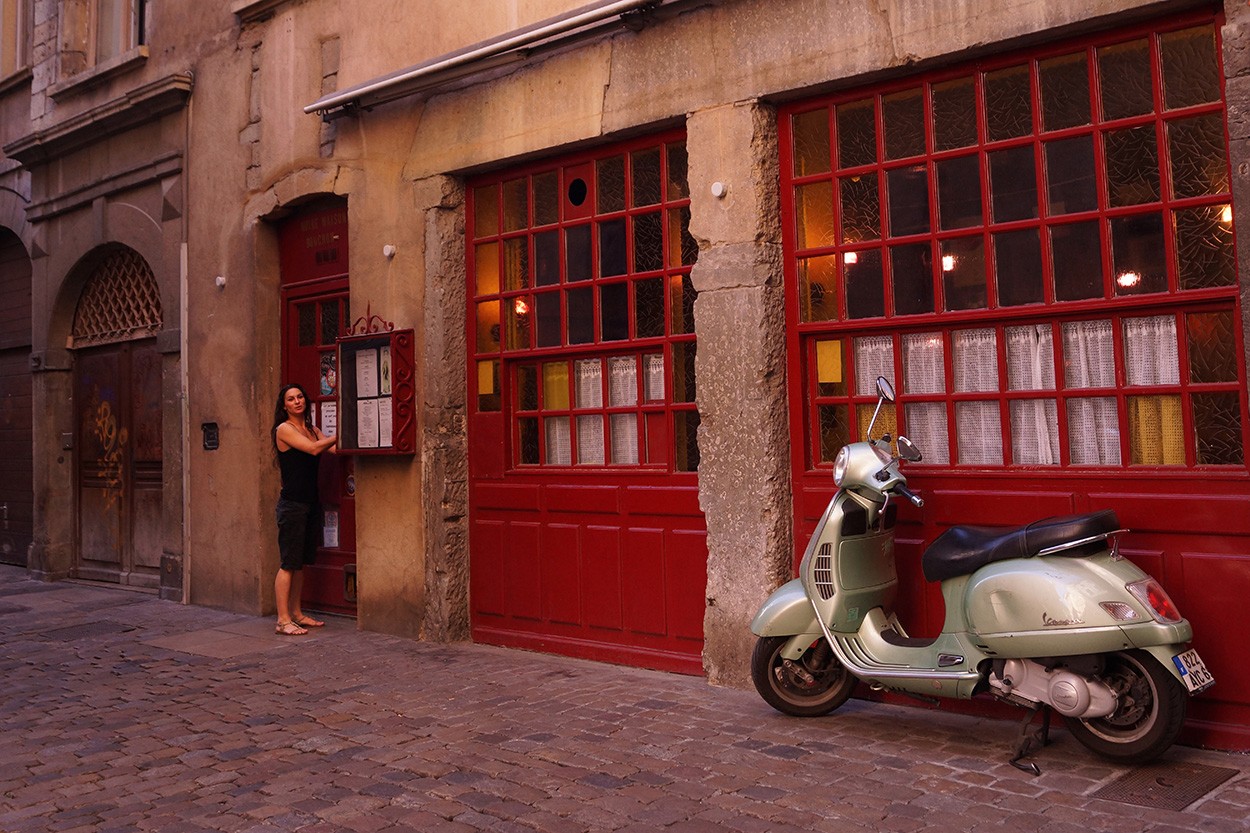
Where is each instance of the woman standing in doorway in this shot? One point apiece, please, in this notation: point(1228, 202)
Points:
point(298, 444)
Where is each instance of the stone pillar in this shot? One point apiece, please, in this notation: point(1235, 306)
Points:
point(51, 553)
point(744, 471)
point(444, 442)
point(1236, 41)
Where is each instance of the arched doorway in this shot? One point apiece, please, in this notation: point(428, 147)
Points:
point(117, 409)
point(16, 475)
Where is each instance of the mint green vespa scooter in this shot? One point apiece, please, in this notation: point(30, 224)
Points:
point(1045, 615)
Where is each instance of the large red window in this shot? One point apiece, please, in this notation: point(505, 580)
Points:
point(584, 310)
point(1038, 251)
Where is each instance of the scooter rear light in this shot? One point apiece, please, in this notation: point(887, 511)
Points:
point(1150, 593)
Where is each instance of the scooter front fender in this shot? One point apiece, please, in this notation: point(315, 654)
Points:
point(787, 612)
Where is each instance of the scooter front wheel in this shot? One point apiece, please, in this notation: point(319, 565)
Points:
point(1148, 717)
point(812, 685)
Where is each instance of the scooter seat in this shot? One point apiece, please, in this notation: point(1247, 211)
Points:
point(962, 550)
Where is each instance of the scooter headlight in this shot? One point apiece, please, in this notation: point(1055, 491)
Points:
point(839, 465)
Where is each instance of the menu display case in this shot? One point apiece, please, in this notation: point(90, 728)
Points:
point(377, 392)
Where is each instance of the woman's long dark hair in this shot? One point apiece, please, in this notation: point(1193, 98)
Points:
point(280, 414)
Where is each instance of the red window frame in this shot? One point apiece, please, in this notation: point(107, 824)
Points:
point(574, 261)
point(831, 201)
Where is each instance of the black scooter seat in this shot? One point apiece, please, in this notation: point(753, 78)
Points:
point(962, 550)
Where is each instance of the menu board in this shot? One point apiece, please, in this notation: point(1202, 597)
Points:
point(376, 411)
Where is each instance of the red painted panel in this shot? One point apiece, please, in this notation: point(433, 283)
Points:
point(486, 590)
point(486, 445)
point(643, 572)
point(598, 500)
point(516, 497)
point(1214, 592)
point(561, 574)
point(991, 507)
point(686, 573)
point(314, 245)
point(601, 576)
point(521, 573)
point(662, 500)
point(1227, 514)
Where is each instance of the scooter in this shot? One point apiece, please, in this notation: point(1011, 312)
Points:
point(1044, 616)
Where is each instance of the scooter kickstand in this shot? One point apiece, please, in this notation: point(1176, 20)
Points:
point(1030, 739)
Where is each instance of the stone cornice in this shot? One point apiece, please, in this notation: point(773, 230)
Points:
point(251, 11)
point(138, 106)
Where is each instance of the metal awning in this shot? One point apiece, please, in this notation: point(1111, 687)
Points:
point(512, 47)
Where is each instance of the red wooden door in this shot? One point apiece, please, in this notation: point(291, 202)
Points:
point(586, 536)
point(119, 452)
point(315, 313)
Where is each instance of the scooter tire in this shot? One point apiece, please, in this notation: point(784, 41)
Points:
point(786, 689)
point(1149, 717)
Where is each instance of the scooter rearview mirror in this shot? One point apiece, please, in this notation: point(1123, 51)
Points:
point(884, 389)
point(908, 450)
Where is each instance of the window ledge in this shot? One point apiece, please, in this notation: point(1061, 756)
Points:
point(15, 79)
point(100, 73)
point(251, 11)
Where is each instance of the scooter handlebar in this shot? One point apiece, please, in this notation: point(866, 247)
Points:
point(916, 500)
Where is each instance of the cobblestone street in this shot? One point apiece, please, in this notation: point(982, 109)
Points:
point(121, 712)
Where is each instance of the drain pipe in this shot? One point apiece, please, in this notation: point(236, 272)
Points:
point(485, 55)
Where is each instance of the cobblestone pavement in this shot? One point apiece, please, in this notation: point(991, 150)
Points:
point(120, 712)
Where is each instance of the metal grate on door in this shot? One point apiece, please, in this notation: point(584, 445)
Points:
point(120, 302)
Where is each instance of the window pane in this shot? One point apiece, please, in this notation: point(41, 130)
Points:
point(577, 255)
point(1065, 91)
point(830, 372)
point(874, 356)
point(1217, 428)
point(555, 386)
point(547, 258)
point(488, 327)
point(1034, 432)
point(518, 323)
point(979, 433)
point(516, 263)
point(1150, 351)
point(927, 428)
point(954, 114)
point(861, 208)
point(818, 281)
point(1138, 260)
point(963, 269)
point(547, 316)
point(559, 445)
point(911, 269)
point(682, 304)
point(1013, 184)
point(1070, 177)
point(649, 308)
point(307, 325)
point(903, 116)
point(1088, 354)
point(1204, 246)
point(653, 377)
point(612, 248)
point(1093, 432)
point(527, 387)
point(1018, 267)
point(813, 208)
point(1197, 155)
point(589, 389)
point(486, 210)
point(812, 149)
point(546, 198)
point(834, 430)
point(1124, 76)
point(857, 134)
point(924, 368)
point(683, 249)
point(645, 167)
point(908, 190)
point(1030, 358)
point(581, 325)
point(590, 440)
point(614, 311)
point(975, 360)
point(330, 321)
point(1076, 259)
point(865, 290)
point(486, 268)
point(1191, 68)
point(1008, 111)
point(678, 166)
point(515, 205)
point(622, 381)
point(683, 371)
point(1155, 431)
point(1132, 166)
point(528, 441)
point(611, 184)
point(686, 440)
point(624, 439)
point(648, 243)
point(1212, 342)
point(959, 192)
point(113, 28)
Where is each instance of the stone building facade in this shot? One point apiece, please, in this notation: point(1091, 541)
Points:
point(602, 223)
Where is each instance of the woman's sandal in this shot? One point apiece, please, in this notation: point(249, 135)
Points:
point(289, 629)
point(306, 621)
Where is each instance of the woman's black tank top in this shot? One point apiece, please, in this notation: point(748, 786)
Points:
point(299, 475)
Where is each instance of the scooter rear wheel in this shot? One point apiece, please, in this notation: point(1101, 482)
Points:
point(1148, 718)
point(812, 685)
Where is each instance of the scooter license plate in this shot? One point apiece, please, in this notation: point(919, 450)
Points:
point(1194, 673)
